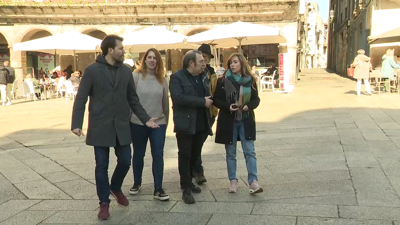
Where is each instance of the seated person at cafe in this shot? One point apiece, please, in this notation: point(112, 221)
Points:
point(75, 80)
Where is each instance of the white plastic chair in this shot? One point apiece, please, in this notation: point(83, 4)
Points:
point(14, 90)
point(29, 90)
point(70, 90)
point(60, 87)
point(268, 81)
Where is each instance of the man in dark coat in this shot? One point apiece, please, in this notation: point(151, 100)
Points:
point(209, 74)
point(11, 79)
point(191, 102)
point(109, 85)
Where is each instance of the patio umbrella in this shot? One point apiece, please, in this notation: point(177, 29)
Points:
point(68, 43)
point(155, 37)
point(238, 34)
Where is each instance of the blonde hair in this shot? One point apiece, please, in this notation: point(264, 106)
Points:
point(361, 52)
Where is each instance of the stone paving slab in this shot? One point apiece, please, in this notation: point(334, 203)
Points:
point(333, 221)
point(66, 205)
point(155, 218)
point(362, 212)
point(29, 217)
point(41, 189)
point(224, 219)
point(295, 210)
point(214, 207)
point(13, 207)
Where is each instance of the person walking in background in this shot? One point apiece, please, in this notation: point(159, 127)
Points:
point(209, 74)
point(362, 67)
point(237, 97)
point(191, 100)
point(152, 89)
point(11, 79)
point(4, 76)
point(109, 85)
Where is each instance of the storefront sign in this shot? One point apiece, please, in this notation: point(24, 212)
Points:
point(283, 73)
point(45, 63)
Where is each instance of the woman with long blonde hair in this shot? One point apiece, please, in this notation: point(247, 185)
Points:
point(236, 96)
point(152, 89)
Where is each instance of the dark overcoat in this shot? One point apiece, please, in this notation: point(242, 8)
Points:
point(226, 118)
point(111, 99)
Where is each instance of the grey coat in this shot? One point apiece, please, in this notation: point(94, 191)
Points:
point(109, 106)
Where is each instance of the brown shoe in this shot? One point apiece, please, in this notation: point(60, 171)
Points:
point(121, 199)
point(200, 178)
point(104, 214)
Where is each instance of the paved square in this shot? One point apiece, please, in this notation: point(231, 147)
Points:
point(325, 156)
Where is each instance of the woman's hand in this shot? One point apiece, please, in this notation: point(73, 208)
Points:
point(245, 108)
point(234, 108)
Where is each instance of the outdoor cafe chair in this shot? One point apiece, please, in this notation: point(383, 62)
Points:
point(267, 81)
point(70, 91)
point(29, 90)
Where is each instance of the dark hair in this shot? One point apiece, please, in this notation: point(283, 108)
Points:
point(190, 56)
point(55, 74)
point(110, 41)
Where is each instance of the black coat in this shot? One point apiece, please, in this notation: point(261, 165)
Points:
point(185, 103)
point(109, 106)
point(226, 118)
point(4, 75)
point(11, 76)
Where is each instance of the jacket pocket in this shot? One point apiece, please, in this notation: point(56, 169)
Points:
point(181, 122)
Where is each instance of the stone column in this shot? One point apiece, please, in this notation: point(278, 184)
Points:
point(18, 61)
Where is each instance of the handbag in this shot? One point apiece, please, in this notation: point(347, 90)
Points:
point(350, 72)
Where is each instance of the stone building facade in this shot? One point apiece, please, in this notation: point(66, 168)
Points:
point(314, 34)
point(27, 20)
point(352, 23)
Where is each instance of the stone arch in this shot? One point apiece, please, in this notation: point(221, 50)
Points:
point(96, 33)
point(4, 49)
point(35, 34)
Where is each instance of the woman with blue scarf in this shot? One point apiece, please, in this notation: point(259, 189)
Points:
point(236, 96)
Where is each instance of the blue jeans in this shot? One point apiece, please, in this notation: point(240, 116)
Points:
point(248, 151)
point(102, 155)
point(140, 135)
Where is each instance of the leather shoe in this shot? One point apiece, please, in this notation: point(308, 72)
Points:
point(104, 214)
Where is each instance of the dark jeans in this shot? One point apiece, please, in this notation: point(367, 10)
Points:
point(198, 167)
point(189, 151)
point(102, 155)
point(140, 135)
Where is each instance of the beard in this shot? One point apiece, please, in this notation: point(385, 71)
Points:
point(118, 59)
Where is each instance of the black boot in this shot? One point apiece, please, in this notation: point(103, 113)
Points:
point(187, 196)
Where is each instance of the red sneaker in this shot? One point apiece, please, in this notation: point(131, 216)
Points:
point(121, 199)
point(104, 214)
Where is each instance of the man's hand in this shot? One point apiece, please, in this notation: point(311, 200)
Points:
point(209, 102)
point(245, 108)
point(151, 123)
point(78, 132)
point(234, 108)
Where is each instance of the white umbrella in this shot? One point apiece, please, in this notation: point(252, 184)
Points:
point(155, 37)
point(68, 43)
point(65, 44)
point(239, 33)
